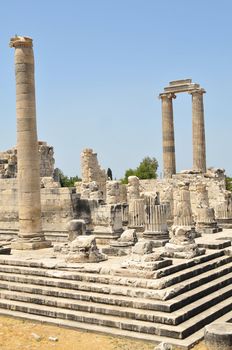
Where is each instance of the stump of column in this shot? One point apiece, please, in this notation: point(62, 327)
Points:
point(218, 336)
point(169, 158)
point(156, 228)
point(136, 218)
point(133, 191)
point(29, 204)
point(182, 234)
point(198, 131)
point(205, 218)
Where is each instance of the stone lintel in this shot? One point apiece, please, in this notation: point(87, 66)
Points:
point(180, 82)
point(181, 88)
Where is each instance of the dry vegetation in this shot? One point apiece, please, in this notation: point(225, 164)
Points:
point(18, 335)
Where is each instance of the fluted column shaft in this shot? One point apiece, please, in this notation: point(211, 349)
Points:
point(198, 131)
point(169, 158)
point(29, 203)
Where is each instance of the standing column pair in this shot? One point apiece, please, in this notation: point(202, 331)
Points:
point(198, 133)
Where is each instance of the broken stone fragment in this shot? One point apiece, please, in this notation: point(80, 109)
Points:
point(142, 247)
point(84, 249)
point(182, 244)
point(36, 336)
point(76, 228)
point(163, 346)
point(128, 236)
point(53, 339)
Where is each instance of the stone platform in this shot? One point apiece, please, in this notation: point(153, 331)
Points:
point(172, 305)
point(217, 240)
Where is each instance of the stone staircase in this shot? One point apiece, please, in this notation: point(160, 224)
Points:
point(173, 308)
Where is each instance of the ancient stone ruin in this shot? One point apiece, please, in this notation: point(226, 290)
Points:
point(151, 259)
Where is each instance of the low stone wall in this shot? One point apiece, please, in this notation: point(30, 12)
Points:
point(215, 184)
point(59, 206)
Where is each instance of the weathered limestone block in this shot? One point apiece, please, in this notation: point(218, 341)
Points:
point(166, 197)
point(122, 246)
point(76, 227)
point(182, 243)
point(125, 214)
point(223, 210)
point(59, 206)
point(205, 218)
point(90, 190)
point(136, 217)
point(143, 264)
point(83, 249)
point(143, 247)
point(133, 191)
point(47, 161)
point(94, 191)
point(107, 222)
point(113, 193)
point(182, 206)
point(218, 336)
point(78, 185)
point(128, 238)
point(91, 170)
point(163, 346)
point(9, 161)
point(48, 182)
point(123, 193)
point(155, 220)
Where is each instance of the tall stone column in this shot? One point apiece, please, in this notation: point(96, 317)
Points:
point(169, 158)
point(198, 130)
point(29, 204)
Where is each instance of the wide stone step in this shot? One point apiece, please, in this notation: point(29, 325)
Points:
point(168, 293)
point(122, 281)
point(174, 318)
point(185, 344)
point(220, 277)
point(185, 264)
point(178, 332)
point(95, 271)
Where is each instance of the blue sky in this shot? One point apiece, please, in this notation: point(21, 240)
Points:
point(100, 65)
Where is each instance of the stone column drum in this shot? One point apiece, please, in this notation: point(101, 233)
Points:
point(30, 227)
point(156, 228)
point(205, 218)
point(169, 158)
point(198, 130)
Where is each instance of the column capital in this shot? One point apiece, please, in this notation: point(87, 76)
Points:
point(168, 95)
point(20, 41)
point(197, 91)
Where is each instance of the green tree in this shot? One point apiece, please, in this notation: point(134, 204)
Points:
point(66, 181)
point(229, 183)
point(109, 174)
point(147, 169)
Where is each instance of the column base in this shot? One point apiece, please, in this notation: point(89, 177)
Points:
point(29, 244)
